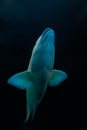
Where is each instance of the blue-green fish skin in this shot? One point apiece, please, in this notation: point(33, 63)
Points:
point(40, 72)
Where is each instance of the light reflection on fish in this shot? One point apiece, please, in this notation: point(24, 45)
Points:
point(40, 72)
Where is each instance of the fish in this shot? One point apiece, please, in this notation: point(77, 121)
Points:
point(40, 73)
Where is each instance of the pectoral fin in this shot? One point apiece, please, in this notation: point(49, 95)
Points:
point(21, 80)
point(57, 77)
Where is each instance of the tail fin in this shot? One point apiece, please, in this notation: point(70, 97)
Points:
point(28, 116)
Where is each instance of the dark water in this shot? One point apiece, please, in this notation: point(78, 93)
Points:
point(21, 23)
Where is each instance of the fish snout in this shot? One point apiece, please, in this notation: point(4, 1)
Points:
point(43, 52)
point(47, 36)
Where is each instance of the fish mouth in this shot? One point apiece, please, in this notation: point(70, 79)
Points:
point(47, 36)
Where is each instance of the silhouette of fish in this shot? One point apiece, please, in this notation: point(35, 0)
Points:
point(40, 72)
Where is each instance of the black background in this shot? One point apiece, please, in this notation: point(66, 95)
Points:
point(21, 23)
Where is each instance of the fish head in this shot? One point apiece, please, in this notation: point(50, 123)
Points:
point(43, 52)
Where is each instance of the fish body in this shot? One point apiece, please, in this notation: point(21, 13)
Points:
point(40, 72)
